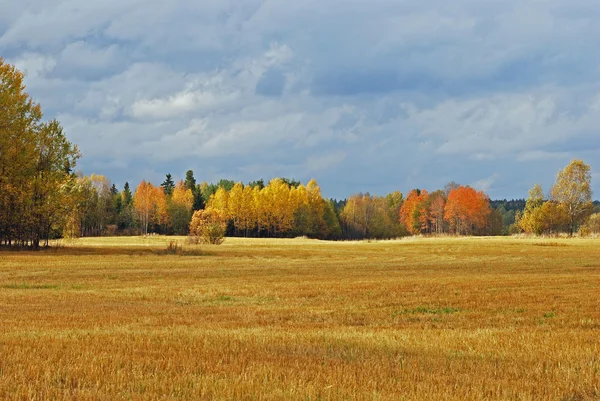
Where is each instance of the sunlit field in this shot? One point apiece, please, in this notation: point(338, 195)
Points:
point(414, 319)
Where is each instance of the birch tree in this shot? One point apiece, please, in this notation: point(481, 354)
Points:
point(573, 190)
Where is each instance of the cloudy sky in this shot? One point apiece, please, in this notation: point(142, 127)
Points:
point(376, 95)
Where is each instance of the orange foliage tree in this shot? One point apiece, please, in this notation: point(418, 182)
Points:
point(437, 207)
point(466, 210)
point(414, 213)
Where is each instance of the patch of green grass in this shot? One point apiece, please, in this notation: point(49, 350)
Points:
point(25, 286)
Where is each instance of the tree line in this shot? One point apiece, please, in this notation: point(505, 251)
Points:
point(287, 208)
point(42, 197)
point(280, 208)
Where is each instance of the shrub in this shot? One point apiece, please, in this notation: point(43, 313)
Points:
point(208, 226)
point(173, 248)
point(110, 230)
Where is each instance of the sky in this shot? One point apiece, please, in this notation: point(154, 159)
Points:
point(362, 95)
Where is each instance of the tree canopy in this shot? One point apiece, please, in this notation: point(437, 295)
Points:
point(573, 190)
point(36, 166)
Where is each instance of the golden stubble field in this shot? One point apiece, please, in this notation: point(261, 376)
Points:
point(424, 319)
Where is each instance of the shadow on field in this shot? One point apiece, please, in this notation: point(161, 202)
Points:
point(108, 251)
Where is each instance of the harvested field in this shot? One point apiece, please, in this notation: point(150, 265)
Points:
point(258, 319)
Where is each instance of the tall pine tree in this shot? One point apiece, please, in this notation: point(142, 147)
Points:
point(168, 185)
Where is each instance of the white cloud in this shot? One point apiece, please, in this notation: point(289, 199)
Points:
point(35, 65)
point(178, 105)
point(486, 183)
point(409, 93)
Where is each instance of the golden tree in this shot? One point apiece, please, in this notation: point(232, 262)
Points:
point(264, 211)
point(219, 200)
point(150, 202)
point(316, 208)
point(180, 207)
point(248, 217)
point(352, 217)
point(573, 190)
point(36, 161)
point(281, 211)
point(299, 202)
point(235, 206)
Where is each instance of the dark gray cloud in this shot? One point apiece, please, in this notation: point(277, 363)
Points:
point(363, 96)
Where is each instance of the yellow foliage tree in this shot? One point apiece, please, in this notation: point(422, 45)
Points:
point(278, 197)
point(235, 206)
point(264, 213)
point(316, 208)
point(150, 202)
point(180, 207)
point(219, 200)
point(541, 216)
point(35, 163)
point(573, 190)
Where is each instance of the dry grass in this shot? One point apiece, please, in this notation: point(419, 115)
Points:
point(467, 319)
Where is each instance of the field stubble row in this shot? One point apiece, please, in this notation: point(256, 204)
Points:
point(447, 318)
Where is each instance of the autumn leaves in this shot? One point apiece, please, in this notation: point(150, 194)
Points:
point(286, 209)
point(35, 165)
point(566, 208)
point(462, 211)
point(153, 207)
point(278, 209)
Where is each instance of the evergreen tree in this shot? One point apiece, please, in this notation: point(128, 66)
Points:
point(260, 184)
point(199, 202)
point(168, 185)
point(227, 185)
point(190, 181)
point(127, 195)
point(117, 203)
